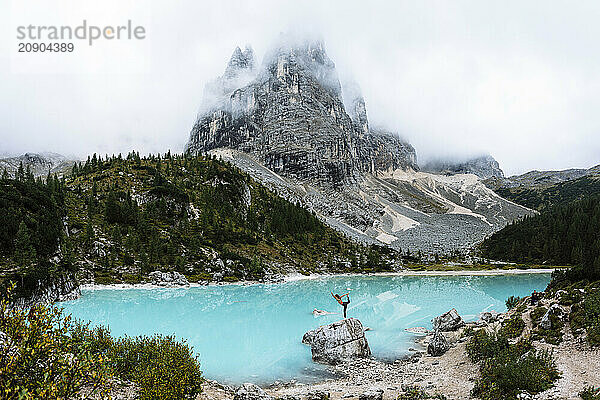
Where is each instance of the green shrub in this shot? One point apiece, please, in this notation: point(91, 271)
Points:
point(513, 327)
point(590, 393)
point(468, 331)
point(570, 297)
point(230, 279)
point(512, 301)
point(552, 335)
point(506, 369)
point(485, 345)
point(162, 367)
point(45, 355)
point(203, 276)
point(40, 360)
point(416, 393)
point(537, 314)
point(104, 280)
point(510, 372)
point(586, 316)
point(131, 279)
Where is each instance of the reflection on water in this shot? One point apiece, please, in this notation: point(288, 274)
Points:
point(253, 333)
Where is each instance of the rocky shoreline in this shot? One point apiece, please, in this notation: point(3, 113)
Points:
point(450, 374)
point(297, 277)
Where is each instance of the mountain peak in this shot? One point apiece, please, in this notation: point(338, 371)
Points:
point(240, 61)
point(291, 116)
point(484, 166)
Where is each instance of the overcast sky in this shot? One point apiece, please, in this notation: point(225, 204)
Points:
point(518, 80)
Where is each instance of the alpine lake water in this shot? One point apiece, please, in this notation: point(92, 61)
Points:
point(253, 333)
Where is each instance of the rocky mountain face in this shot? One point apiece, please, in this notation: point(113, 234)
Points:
point(292, 118)
point(484, 167)
point(291, 125)
point(39, 164)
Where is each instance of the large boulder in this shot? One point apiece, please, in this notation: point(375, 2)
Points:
point(489, 317)
point(449, 321)
point(546, 321)
point(168, 279)
point(438, 345)
point(339, 341)
point(249, 391)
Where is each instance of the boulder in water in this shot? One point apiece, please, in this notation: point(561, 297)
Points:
point(449, 321)
point(438, 344)
point(339, 341)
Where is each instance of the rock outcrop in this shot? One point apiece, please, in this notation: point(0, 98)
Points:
point(489, 317)
point(484, 167)
point(438, 344)
point(40, 164)
point(249, 391)
point(292, 118)
point(168, 279)
point(448, 321)
point(60, 288)
point(339, 341)
point(554, 310)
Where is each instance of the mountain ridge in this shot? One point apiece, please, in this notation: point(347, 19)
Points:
point(298, 130)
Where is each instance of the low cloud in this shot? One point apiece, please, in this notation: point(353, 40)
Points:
point(512, 79)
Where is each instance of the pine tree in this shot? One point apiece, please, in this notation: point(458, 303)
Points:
point(25, 253)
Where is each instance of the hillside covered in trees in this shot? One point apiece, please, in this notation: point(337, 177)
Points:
point(116, 219)
point(543, 197)
point(566, 234)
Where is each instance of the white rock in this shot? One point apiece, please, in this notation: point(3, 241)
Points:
point(338, 341)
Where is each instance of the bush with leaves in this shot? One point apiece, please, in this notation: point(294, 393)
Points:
point(513, 327)
point(39, 358)
point(485, 345)
point(416, 393)
point(161, 366)
point(506, 369)
point(590, 393)
point(512, 302)
point(510, 372)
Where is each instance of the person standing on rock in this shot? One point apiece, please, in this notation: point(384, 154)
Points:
point(339, 298)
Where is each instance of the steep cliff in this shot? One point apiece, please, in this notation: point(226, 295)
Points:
point(292, 118)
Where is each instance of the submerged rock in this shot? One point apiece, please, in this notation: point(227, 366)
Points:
point(338, 341)
point(171, 278)
point(438, 344)
point(249, 391)
point(449, 321)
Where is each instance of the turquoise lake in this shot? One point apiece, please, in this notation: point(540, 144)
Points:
point(253, 333)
